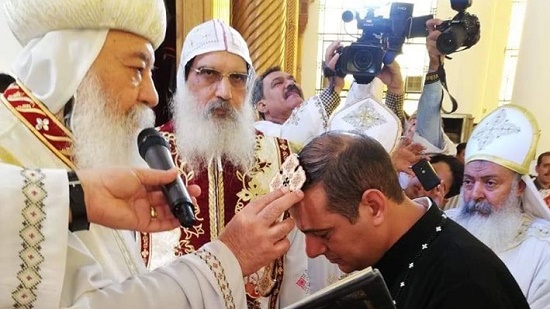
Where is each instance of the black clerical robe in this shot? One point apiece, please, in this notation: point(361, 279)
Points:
point(438, 264)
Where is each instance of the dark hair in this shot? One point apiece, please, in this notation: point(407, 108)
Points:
point(258, 89)
point(541, 156)
point(460, 147)
point(347, 164)
point(457, 169)
point(5, 81)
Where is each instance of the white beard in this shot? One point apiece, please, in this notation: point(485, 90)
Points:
point(203, 136)
point(499, 228)
point(102, 135)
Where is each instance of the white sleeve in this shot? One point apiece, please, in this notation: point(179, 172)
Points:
point(449, 148)
point(208, 278)
point(35, 243)
point(34, 229)
point(306, 122)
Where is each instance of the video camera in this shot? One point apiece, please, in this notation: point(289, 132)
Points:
point(382, 38)
point(381, 41)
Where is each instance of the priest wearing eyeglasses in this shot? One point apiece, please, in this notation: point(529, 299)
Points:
point(215, 145)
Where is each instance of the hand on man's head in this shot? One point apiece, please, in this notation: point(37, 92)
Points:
point(255, 235)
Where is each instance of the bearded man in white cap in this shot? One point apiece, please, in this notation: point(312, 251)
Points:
point(499, 202)
point(82, 94)
point(215, 146)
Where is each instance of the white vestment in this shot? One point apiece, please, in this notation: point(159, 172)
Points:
point(528, 259)
point(307, 121)
point(45, 265)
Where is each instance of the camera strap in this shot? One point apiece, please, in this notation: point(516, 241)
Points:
point(443, 79)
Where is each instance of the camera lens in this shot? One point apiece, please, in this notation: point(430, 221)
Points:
point(362, 60)
point(446, 43)
point(451, 39)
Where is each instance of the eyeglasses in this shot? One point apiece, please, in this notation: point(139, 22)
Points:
point(209, 77)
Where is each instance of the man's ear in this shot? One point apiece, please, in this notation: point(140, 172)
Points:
point(374, 202)
point(521, 187)
point(261, 107)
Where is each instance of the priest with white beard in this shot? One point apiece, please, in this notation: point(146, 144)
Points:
point(214, 145)
point(500, 204)
point(83, 93)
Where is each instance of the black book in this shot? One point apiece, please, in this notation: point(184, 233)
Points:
point(364, 289)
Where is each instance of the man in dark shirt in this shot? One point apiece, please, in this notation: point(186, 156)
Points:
point(355, 213)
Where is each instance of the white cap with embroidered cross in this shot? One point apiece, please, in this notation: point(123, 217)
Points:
point(509, 136)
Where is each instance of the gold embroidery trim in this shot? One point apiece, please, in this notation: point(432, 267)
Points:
point(221, 201)
point(47, 113)
point(32, 237)
point(212, 204)
point(216, 196)
point(218, 272)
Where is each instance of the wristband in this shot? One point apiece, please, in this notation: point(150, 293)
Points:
point(431, 77)
point(77, 204)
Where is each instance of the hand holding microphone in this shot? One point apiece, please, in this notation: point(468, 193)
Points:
point(154, 149)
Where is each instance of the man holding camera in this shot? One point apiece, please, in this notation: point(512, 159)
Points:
point(286, 114)
point(427, 129)
point(280, 102)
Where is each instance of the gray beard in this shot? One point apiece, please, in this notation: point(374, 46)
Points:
point(498, 229)
point(203, 137)
point(102, 135)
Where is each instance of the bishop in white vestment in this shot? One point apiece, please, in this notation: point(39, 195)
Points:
point(43, 264)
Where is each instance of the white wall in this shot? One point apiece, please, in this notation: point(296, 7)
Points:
point(309, 51)
point(475, 75)
point(9, 47)
point(533, 69)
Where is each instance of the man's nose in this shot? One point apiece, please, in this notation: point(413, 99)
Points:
point(314, 247)
point(224, 89)
point(148, 94)
point(477, 192)
point(289, 83)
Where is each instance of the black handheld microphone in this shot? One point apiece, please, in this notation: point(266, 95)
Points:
point(154, 149)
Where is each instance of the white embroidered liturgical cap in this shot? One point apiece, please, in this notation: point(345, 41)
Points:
point(509, 136)
point(62, 38)
point(370, 117)
point(211, 36)
point(29, 19)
